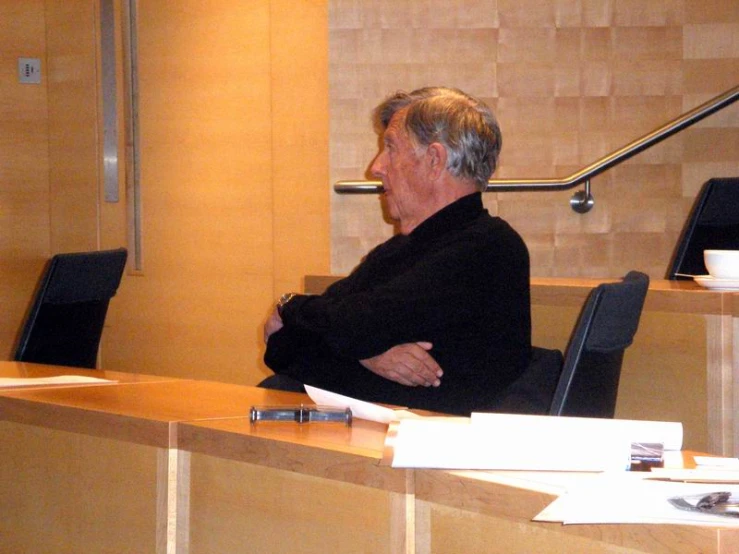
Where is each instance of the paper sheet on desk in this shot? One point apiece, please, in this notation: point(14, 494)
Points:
point(629, 498)
point(360, 408)
point(669, 433)
point(520, 442)
point(17, 382)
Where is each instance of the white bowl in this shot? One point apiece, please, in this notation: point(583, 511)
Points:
point(722, 264)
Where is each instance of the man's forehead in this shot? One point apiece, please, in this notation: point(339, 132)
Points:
point(396, 125)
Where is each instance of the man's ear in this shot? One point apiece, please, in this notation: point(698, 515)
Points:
point(437, 159)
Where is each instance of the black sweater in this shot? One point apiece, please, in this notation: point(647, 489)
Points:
point(460, 280)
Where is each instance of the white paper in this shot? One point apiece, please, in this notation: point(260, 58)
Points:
point(457, 443)
point(521, 442)
point(701, 474)
point(360, 408)
point(628, 498)
point(717, 462)
point(15, 382)
point(669, 433)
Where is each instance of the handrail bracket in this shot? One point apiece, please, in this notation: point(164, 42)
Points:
point(582, 201)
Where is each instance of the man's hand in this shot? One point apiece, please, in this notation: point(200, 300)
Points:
point(273, 324)
point(409, 364)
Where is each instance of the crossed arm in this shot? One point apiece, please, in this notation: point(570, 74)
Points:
point(408, 364)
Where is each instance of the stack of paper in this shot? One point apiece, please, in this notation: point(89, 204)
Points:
point(630, 498)
point(521, 442)
point(506, 441)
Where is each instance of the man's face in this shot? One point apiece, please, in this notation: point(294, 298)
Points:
point(400, 166)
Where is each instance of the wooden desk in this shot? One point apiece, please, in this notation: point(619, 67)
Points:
point(314, 488)
point(490, 513)
point(327, 494)
point(72, 477)
point(97, 465)
point(681, 366)
point(176, 467)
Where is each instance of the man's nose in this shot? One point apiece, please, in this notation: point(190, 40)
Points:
point(377, 169)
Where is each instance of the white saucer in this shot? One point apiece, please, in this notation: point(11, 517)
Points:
point(717, 284)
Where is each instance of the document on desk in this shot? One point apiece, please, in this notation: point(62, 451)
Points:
point(58, 380)
point(630, 498)
point(359, 408)
point(669, 433)
point(523, 442)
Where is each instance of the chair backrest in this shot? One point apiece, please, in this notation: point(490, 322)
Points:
point(588, 385)
point(65, 322)
point(713, 224)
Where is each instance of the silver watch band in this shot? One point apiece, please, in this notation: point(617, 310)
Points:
point(284, 299)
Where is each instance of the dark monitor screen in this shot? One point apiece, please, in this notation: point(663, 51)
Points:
point(712, 224)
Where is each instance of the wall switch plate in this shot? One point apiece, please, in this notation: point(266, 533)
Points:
point(29, 70)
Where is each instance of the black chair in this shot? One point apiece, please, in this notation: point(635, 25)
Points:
point(585, 383)
point(588, 385)
point(713, 224)
point(65, 322)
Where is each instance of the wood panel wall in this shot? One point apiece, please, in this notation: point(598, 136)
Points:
point(72, 50)
point(24, 166)
point(48, 146)
point(234, 180)
point(570, 81)
point(234, 172)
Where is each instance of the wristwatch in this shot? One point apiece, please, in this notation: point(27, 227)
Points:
point(284, 299)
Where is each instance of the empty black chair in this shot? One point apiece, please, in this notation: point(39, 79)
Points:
point(585, 382)
point(713, 224)
point(588, 385)
point(65, 322)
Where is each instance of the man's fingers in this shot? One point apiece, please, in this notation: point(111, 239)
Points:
point(426, 360)
point(408, 364)
point(400, 378)
point(426, 367)
point(421, 374)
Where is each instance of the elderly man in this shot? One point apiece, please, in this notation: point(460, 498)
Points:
point(438, 316)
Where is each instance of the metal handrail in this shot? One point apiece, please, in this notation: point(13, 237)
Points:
point(582, 201)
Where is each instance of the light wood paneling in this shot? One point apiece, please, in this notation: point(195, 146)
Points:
point(24, 165)
point(570, 81)
point(74, 158)
point(43, 475)
point(49, 147)
point(233, 177)
point(299, 141)
point(234, 507)
point(206, 192)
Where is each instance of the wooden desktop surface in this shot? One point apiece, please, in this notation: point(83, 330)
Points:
point(138, 410)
